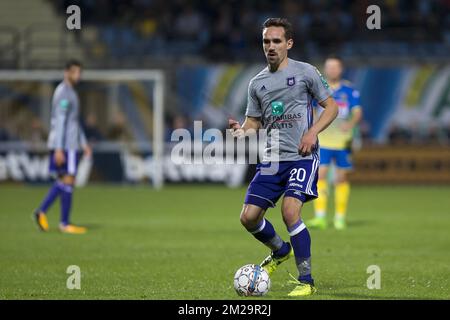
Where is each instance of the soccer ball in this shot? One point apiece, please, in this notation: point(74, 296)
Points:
point(251, 280)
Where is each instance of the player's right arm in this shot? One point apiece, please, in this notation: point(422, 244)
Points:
point(249, 123)
point(253, 115)
point(61, 106)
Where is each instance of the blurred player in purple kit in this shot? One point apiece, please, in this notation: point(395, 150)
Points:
point(65, 140)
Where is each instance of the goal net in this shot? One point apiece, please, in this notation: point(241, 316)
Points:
point(122, 113)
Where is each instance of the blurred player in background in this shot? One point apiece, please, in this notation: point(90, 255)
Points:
point(279, 98)
point(65, 140)
point(335, 147)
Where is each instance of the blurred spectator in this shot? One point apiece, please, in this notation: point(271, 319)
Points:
point(148, 25)
point(91, 129)
point(428, 133)
point(118, 131)
point(221, 25)
point(188, 24)
point(178, 122)
point(446, 132)
point(37, 133)
point(434, 134)
point(4, 135)
point(399, 135)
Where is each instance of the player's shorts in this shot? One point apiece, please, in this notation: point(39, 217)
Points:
point(341, 157)
point(297, 179)
point(69, 167)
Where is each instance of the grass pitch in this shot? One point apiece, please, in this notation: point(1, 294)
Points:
point(186, 242)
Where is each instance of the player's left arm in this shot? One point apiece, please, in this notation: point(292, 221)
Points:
point(354, 120)
point(330, 113)
point(318, 86)
point(87, 150)
point(356, 112)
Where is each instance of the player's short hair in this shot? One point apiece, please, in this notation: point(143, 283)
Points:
point(335, 57)
point(72, 63)
point(280, 22)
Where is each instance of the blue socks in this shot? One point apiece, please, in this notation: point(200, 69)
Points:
point(266, 234)
point(65, 192)
point(52, 194)
point(66, 203)
point(301, 242)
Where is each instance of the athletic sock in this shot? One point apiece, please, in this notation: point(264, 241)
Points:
point(51, 196)
point(301, 243)
point(342, 193)
point(66, 203)
point(266, 234)
point(320, 204)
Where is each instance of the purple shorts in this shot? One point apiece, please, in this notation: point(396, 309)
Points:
point(69, 167)
point(297, 179)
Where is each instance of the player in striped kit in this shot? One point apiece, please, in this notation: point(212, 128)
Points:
point(335, 147)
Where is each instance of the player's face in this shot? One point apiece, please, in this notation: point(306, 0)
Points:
point(333, 69)
point(74, 74)
point(275, 45)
